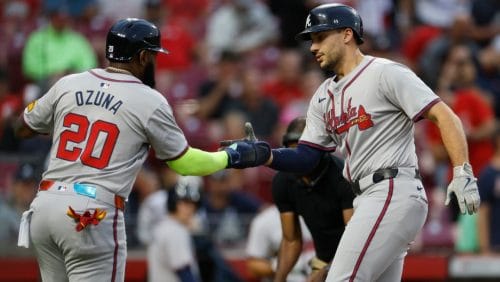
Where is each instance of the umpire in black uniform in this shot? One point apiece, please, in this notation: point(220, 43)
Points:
point(323, 198)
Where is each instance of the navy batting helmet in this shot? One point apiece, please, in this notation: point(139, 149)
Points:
point(129, 36)
point(332, 16)
point(294, 131)
point(188, 188)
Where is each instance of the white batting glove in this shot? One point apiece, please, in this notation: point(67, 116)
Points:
point(464, 186)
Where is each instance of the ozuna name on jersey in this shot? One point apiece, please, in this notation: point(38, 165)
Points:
point(98, 98)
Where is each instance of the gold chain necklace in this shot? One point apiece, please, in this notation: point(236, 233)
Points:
point(113, 69)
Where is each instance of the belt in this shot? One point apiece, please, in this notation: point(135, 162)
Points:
point(85, 190)
point(360, 185)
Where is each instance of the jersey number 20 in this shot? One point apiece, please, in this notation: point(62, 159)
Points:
point(79, 136)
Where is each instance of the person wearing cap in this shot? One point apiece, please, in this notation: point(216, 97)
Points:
point(102, 123)
point(322, 197)
point(171, 253)
point(367, 111)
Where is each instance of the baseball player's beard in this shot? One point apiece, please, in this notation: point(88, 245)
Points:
point(331, 64)
point(333, 60)
point(149, 75)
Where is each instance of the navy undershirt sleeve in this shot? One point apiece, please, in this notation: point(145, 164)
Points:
point(301, 159)
point(185, 274)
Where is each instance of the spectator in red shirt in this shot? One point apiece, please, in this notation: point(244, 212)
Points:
point(182, 47)
point(458, 89)
point(284, 86)
point(176, 36)
point(191, 14)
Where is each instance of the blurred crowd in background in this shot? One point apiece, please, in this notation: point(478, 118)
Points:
point(233, 61)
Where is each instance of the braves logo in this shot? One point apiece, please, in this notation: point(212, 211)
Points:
point(353, 116)
point(308, 21)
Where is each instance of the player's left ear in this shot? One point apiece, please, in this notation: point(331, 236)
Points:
point(348, 35)
point(144, 57)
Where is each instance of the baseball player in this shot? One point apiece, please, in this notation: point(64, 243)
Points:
point(322, 197)
point(103, 122)
point(171, 251)
point(263, 245)
point(367, 110)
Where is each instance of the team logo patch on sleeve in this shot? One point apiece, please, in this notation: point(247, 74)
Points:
point(31, 106)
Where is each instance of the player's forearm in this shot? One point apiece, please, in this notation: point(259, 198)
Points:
point(287, 257)
point(454, 141)
point(260, 268)
point(199, 162)
point(22, 130)
point(452, 133)
point(298, 160)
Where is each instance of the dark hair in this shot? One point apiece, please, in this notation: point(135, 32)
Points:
point(229, 56)
point(294, 131)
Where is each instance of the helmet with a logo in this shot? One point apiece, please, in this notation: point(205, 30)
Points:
point(129, 36)
point(332, 16)
point(188, 188)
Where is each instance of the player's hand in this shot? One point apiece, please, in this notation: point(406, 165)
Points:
point(318, 276)
point(246, 152)
point(464, 185)
point(250, 136)
point(243, 154)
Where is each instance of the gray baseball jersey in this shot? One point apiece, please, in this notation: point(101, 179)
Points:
point(369, 116)
point(103, 124)
point(170, 250)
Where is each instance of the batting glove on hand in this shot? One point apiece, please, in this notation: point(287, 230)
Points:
point(246, 152)
point(464, 185)
point(243, 154)
point(250, 136)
